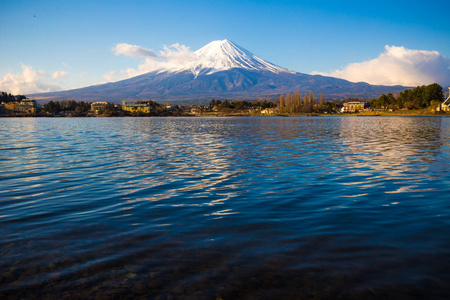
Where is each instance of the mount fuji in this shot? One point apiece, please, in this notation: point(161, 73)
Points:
point(222, 56)
point(221, 69)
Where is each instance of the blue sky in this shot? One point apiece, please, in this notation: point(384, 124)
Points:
point(68, 44)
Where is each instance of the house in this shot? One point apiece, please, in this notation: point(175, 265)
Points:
point(25, 106)
point(269, 111)
point(195, 109)
point(445, 106)
point(140, 106)
point(10, 106)
point(99, 106)
point(352, 106)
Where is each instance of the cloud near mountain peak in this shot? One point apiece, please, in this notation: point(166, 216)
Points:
point(398, 66)
point(165, 59)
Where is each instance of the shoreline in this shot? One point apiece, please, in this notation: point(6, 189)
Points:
point(245, 116)
point(413, 113)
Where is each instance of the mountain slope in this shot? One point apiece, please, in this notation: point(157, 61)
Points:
point(221, 69)
point(225, 55)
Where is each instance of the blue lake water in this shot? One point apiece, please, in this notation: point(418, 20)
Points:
point(225, 208)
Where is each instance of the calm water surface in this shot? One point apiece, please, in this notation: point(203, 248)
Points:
point(225, 208)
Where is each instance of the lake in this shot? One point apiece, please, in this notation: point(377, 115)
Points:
point(225, 208)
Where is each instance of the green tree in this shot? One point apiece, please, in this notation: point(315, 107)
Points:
point(52, 107)
point(225, 104)
point(214, 103)
point(330, 107)
point(432, 92)
point(8, 97)
point(109, 108)
point(416, 98)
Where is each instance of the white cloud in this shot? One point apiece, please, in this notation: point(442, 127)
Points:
point(59, 74)
point(30, 81)
point(398, 66)
point(66, 65)
point(169, 57)
point(110, 76)
point(133, 50)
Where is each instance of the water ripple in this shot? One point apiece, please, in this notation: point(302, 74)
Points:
point(224, 207)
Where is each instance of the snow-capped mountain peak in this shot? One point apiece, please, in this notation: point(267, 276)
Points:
point(223, 55)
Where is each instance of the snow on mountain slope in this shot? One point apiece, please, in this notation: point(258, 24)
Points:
point(225, 55)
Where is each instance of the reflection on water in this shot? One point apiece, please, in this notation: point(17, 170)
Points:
point(224, 208)
point(400, 152)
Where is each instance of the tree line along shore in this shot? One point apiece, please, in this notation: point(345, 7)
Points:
point(421, 100)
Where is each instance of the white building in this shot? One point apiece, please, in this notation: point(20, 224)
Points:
point(352, 106)
point(445, 106)
point(98, 106)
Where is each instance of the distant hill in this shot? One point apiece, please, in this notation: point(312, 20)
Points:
point(222, 70)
